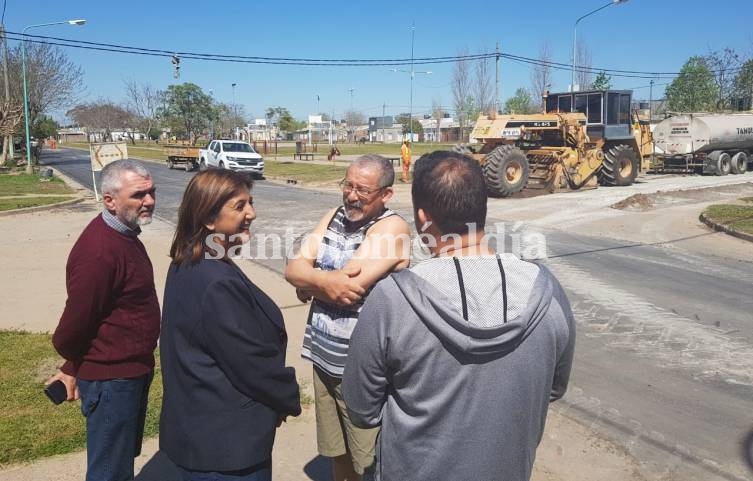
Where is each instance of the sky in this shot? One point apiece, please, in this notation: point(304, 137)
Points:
point(640, 35)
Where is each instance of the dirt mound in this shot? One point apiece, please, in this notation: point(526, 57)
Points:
point(636, 202)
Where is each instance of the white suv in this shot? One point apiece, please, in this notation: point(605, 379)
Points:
point(234, 155)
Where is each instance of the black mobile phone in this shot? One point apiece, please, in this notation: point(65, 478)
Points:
point(56, 392)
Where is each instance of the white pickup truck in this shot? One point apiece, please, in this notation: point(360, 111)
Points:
point(232, 154)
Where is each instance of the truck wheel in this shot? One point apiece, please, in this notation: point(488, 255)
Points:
point(620, 166)
point(723, 164)
point(739, 163)
point(505, 171)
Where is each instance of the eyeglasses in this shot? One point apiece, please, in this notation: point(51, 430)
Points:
point(362, 192)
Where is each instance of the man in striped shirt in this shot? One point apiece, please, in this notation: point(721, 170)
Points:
point(351, 248)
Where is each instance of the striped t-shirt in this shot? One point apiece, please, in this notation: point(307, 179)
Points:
point(329, 327)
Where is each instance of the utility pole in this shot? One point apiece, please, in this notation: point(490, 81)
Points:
point(235, 115)
point(8, 141)
point(496, 84)
point(350, 120)
point(650, 99)
point(331, 121)
point(384, 106)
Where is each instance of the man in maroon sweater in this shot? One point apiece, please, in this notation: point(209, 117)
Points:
point(109, 328)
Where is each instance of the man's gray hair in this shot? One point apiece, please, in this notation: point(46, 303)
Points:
point(111, 177)
point(386, 172)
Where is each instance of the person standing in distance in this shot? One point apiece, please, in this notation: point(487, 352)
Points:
point(405, 156)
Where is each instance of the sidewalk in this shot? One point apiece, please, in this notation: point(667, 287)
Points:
point(35, 247)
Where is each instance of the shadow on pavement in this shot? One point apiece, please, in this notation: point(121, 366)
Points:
point(747, 450)
point(318, 469)
point(159, 468)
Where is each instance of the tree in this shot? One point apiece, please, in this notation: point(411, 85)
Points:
point(437, 112)
point(144, 101)
point(101, 116)
point(53, 81)
point(482, 90)
point(44, 127)
point(694, 88)
point(406, 121)
point(520, 103)
point(743, 86)
point(723, 66)
point(583, 73)
point(602, 82)
point(228, 117)
point(461, 90)
point(281, 117)
point(188, 110)
point(541, 75)
point(355, 118)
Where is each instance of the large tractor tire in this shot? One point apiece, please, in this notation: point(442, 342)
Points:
point(505, 171)
point(620, 166)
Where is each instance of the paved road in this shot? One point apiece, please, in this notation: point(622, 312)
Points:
point(664, 363)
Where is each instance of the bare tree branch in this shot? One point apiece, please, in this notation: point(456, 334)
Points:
point(144, 101)
point(583, 77)
point(724, 64)
point(541, 75)
point(483, 85)
point(461, 89)
point(53, 81)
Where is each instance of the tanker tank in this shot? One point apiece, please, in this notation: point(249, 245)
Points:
point(712, 143)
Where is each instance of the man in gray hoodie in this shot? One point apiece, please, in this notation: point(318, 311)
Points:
point(458, 357)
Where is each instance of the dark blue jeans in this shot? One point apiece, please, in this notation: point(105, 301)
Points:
point(115, 411)
point(259, 472)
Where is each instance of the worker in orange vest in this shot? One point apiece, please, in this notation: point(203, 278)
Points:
point(406, 157)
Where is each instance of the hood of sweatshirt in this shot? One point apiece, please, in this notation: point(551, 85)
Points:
point(505, 299)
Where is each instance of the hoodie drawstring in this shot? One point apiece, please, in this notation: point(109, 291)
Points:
point(463, 298)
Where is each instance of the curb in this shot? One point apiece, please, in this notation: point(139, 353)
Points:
point(723, 228)
point(68, 181)
point(40, 208)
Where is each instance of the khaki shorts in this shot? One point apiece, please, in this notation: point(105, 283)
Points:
point(335, 433)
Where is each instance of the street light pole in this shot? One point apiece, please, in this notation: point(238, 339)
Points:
point(350, 120)
point(29, 167)
point(412, 73)
point(235, 114)
point(211, 121)
point(575, 36)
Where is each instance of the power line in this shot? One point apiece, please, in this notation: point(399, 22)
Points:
point(107, 47)
point(64, 42)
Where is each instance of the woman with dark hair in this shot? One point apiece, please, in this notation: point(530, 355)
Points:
point(226, 387)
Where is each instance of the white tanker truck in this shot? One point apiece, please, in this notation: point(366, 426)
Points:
point(717, 144)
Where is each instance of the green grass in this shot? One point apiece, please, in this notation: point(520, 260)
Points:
point(304, 172)
point(738, 217)
point(153, 151)
point(18, 184)
point(31, 427)
point(11, 203)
